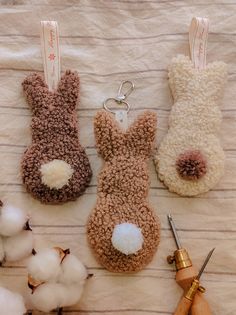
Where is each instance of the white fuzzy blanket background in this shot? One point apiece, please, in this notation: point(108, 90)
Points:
point(107, 42)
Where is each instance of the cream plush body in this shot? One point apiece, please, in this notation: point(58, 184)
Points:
point(190, 159)
point(60, 279)
point(16, 238)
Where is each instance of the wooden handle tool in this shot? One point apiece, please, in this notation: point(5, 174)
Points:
point(200, 305)
point(186, 301)
point(186, 272)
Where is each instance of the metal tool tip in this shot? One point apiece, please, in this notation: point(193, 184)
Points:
point(169, 216)
point(212, 250)
point(205, 263)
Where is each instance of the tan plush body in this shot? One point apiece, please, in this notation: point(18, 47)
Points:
point(190, 158)
point(55, 167)
point(122, 192)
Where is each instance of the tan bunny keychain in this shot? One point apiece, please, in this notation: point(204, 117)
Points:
point(123, 230)
point(55, 167)
point(190, 159)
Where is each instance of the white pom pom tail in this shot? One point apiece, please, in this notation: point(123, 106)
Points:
point(127, 238)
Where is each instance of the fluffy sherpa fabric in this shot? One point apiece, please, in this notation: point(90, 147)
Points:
point(56, 279)
point(122, 191)
point(193, 125)
point(54, 137)
point(16, 236)
point(11, 303)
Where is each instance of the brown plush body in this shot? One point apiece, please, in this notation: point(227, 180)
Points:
point(54, 136)
point(122, 191)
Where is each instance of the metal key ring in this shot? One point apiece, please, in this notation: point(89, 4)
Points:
point(118, 101)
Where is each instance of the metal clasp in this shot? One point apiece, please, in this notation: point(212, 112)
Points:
point(121, 96)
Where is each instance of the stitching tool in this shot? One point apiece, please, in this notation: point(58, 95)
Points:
point(187, 299)
point(186, 273)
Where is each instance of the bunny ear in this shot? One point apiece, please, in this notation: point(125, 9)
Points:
point(180, 71)
point(68, 88)
point(216, 79)
point(141, 135)
point(35, 89)
point(109, 139)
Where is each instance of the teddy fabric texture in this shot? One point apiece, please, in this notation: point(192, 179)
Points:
point(55, 167)
point(11, 303)
point(123, 230)
point(56, 279)
point(190, 159)
point(16, 236)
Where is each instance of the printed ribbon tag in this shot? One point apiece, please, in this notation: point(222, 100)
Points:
point(122, 118)
point(50, 53)
point(198, 34)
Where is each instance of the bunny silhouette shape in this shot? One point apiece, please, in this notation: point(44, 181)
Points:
point(190, 159)
point(123, 229)
point(55, 167)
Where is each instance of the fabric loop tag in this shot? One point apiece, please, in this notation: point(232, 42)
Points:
point(50, 53)
point(198, 34)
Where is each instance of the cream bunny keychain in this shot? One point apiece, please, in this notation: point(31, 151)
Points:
point(55, 167)
point(123, 230)
point(190, 159)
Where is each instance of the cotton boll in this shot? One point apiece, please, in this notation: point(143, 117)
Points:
point(45, 265)
point(72, 270)
point(71, 295)
point(2, 254)
point(11, 303)
point(127, 238)
point(12, 220)
point(47, 296)
point(18, 246)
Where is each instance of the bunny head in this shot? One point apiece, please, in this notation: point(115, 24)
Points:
point(55, 167)
point(196, 94)
point(125, 154)
point(39, 97)
point(136, 142)
point(188, 83)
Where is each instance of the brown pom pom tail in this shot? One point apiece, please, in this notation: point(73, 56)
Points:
point(191, 165)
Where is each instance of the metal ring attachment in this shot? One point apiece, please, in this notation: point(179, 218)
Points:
point(119, 102)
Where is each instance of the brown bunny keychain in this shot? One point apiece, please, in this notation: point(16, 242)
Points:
point(55, 167)
point(123, 230)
